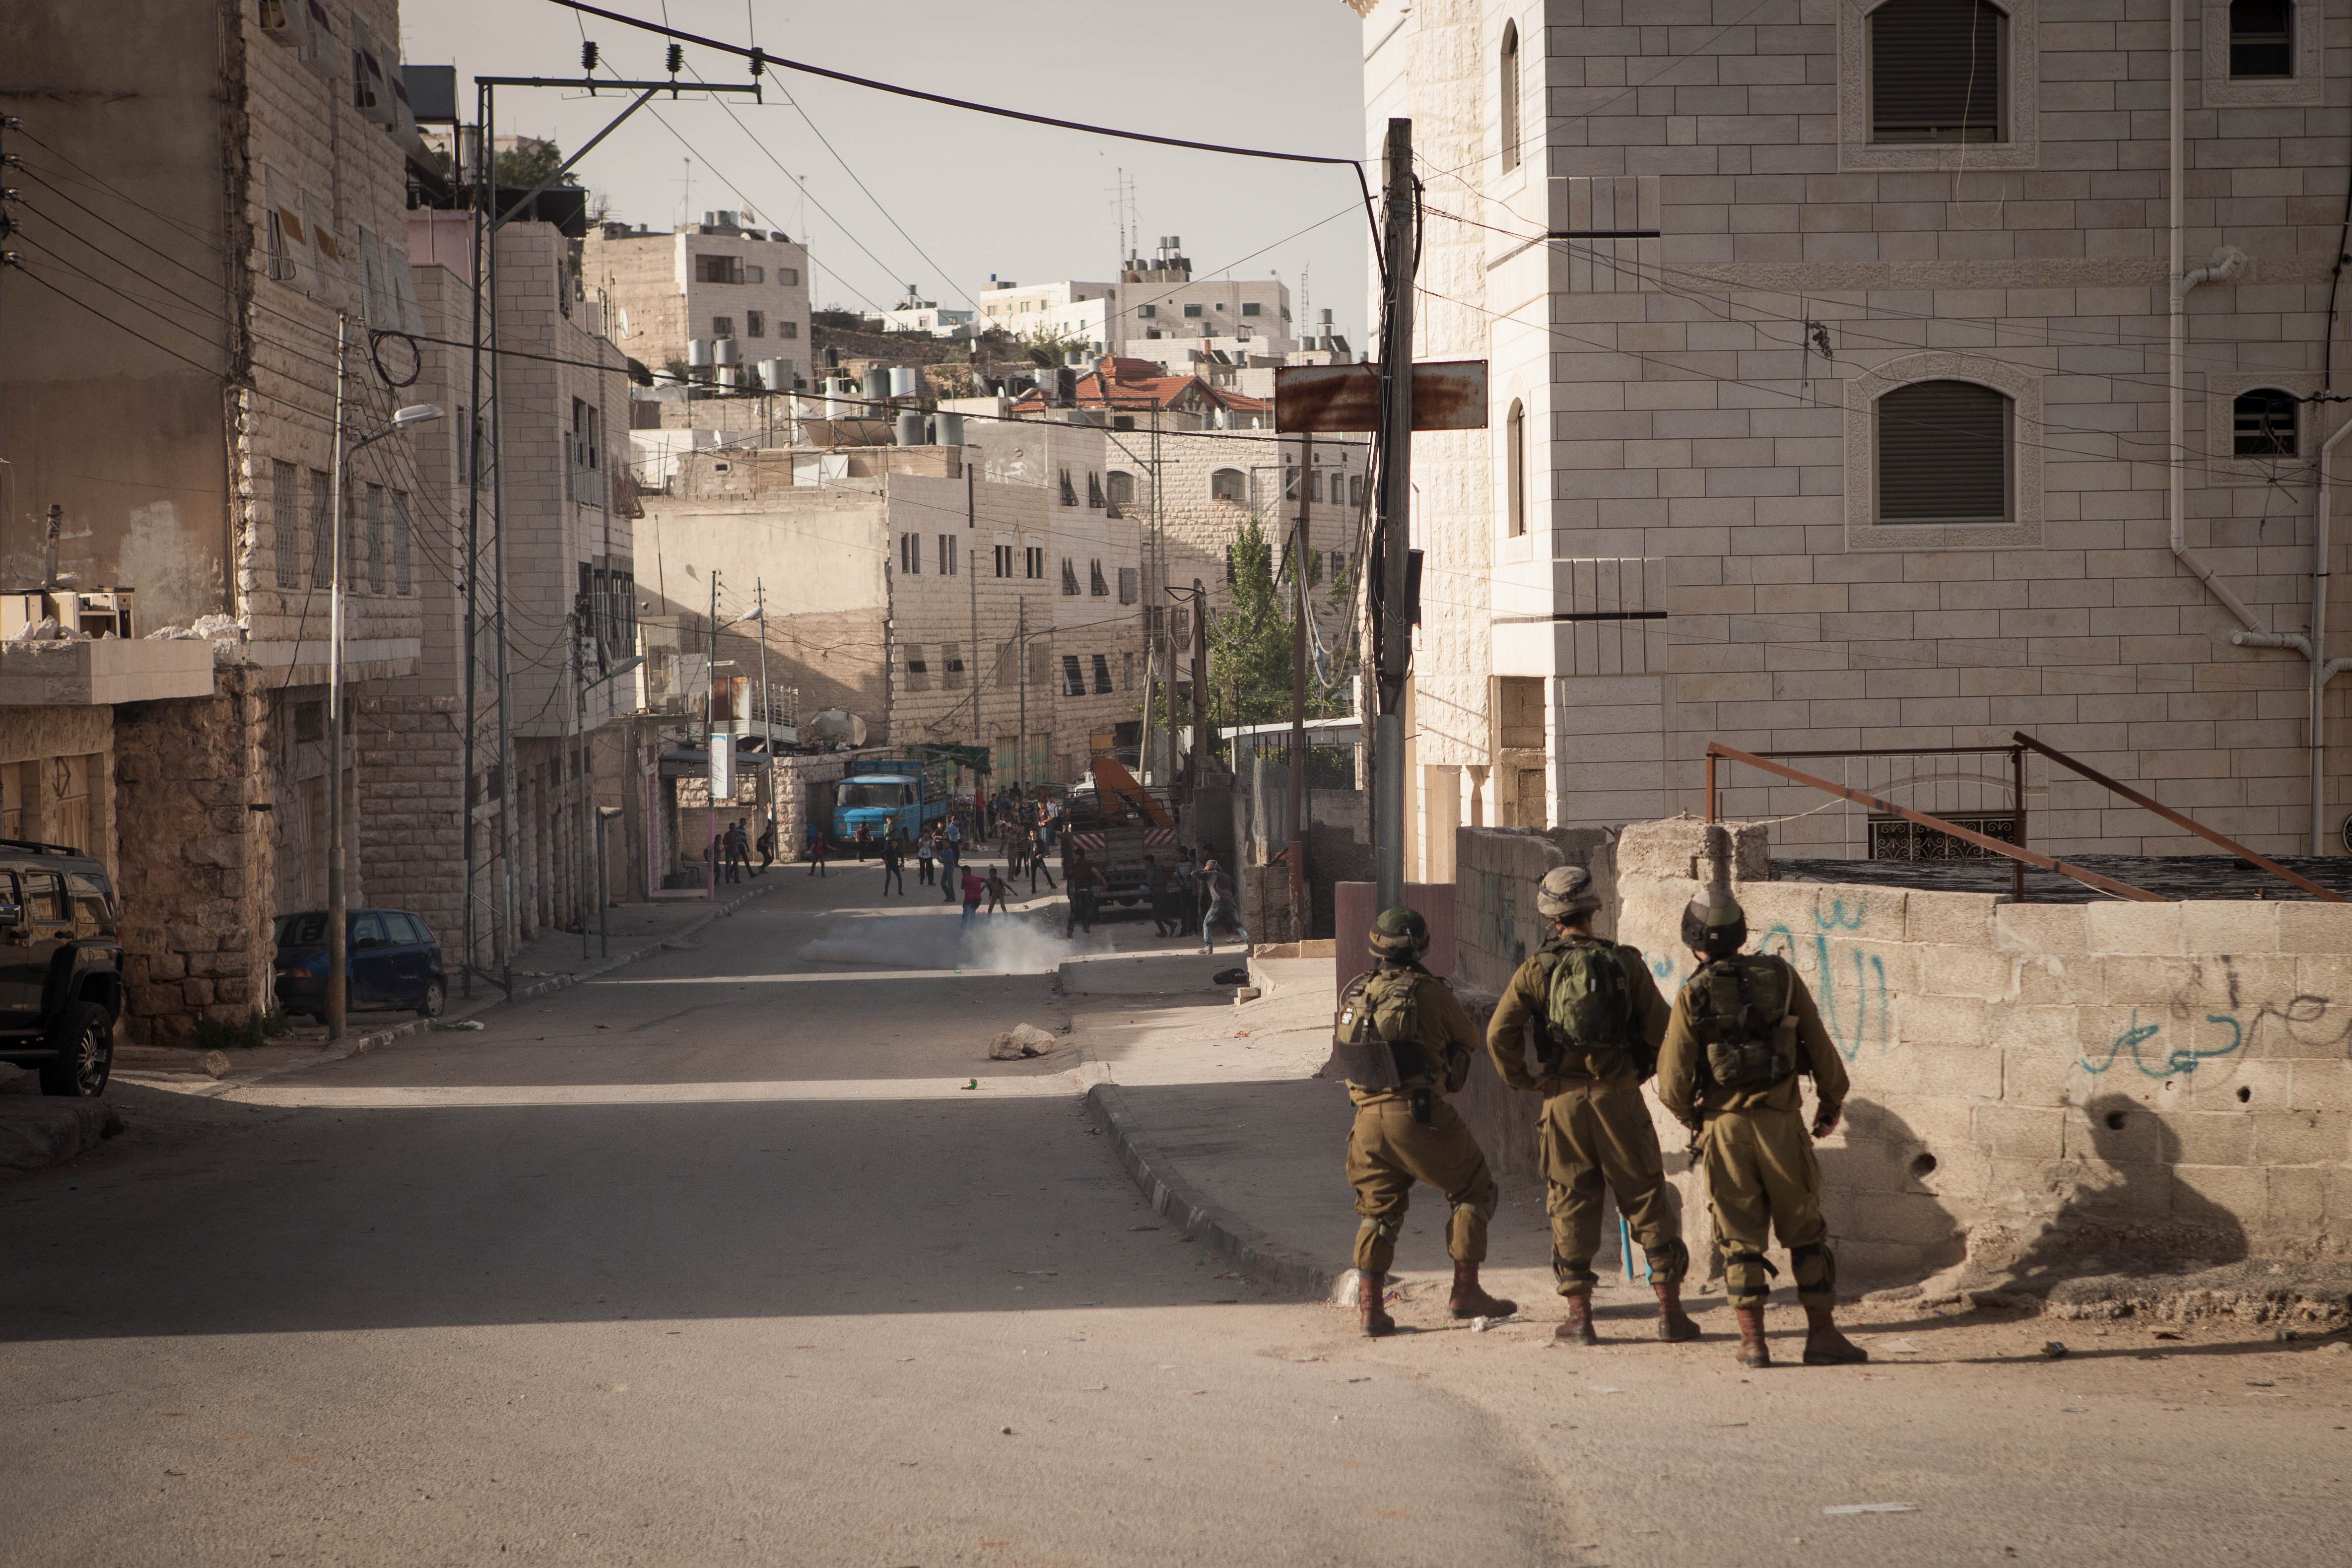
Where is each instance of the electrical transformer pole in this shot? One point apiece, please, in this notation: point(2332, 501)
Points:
point(1395, 508)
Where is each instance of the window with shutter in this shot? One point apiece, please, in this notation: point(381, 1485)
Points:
point(375, 539)
point(1515, 458)
point(285, 522)
point(1069, 579)
point(1074, 680)
point(1102, 674)
point(1936, 71)
point(1121, 488)
point(322, 529)
point(1508, 74)
point(2262, 424)
point(1943, 454)
point(2262, 38)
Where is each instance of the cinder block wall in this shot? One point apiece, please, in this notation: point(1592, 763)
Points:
point(2033, 1085)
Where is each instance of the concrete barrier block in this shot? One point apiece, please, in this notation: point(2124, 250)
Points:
point(1940, 1021)
point(2315, 928)
point(2219, 1196)
point(2051, 981)
point(2038, 1075)
point(2319, 1085)
point(2111, 1131)
point(2152, 985)
point(2230, 925)
point(1917, 1219)
point(2018, 1132)
point(1959, 1072)
point(2042, 927)
point(1962, 918)
point(2301, 1137)
point(2209, 1138)
point(2297, 1202)
point(1945, 970)
point(2134, 928)
point(2121, 1191)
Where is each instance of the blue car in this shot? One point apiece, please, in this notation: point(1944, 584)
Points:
point(392, 964)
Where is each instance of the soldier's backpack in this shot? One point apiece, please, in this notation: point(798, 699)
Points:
point(1587, 1004)
point(1376, 1039)
point(1739, 1010)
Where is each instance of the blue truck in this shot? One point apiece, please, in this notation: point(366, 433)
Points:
point(886, 795)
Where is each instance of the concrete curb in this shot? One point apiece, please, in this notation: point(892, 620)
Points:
point(366, 1042)
point(1291, 1273)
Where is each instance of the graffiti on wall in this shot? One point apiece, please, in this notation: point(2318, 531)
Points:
point(2174, 1047)
point(1848, 979)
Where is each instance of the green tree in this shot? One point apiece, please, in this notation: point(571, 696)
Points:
point(530, 161)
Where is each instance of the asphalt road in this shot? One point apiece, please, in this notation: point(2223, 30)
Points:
point(717, 1260)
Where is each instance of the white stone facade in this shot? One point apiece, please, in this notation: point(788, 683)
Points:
point(1701, 396)
point(702, 282)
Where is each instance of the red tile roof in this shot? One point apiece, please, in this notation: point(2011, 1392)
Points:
point(1120, 382)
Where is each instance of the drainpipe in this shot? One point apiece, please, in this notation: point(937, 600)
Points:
point(2226, 263)
point(2312, 646)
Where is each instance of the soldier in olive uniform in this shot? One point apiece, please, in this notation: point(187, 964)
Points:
point(1744, 1030)
point(1405, 1044)
point(1595, 1127)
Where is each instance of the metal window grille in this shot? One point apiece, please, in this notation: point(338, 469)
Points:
point(1041, 664)
point(1121, 488)
point(1943, 454)
point(2262, 420)
point(322, 529)
point(1126, 671)
point(1095, 582)
point(285, 522)
point(1129, 579)
point(1004, 561)
point(1936, 71)
point(1507, 81)
point(951, 666)
point(1069, 493)
point(375, 539)
point(1102, 674)
point(403, 578)
point(2262, 38)
point(1094, 490)
point(919, 668)
point(947, 554)
point(1074, 680)
point(1899, 838)
point(1069, 578)
point(910, 555)
point(1034, 566)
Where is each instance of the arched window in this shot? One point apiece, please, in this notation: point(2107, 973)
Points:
point(1228, 484)
point(1944, 454)
point(1936, 71)
point(1122, 487)
point(1514, 451)
point(1508, 74)
point(2262, 424)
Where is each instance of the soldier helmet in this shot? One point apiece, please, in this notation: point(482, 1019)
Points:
point(1400, 935)
point(1715, 924)
point(1566, 891)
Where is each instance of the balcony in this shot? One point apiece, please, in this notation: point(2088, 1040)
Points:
point(103, 671)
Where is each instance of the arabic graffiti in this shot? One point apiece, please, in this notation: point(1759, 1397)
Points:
point(2176, 1062)
point(1855, 1012)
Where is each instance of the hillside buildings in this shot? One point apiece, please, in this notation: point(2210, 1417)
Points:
point(742, 293)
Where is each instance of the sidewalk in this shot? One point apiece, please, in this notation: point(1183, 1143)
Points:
point(1215, 1109)
point(549, 962)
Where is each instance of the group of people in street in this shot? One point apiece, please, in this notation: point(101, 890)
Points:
point(1726, 1058)
point(735, 848)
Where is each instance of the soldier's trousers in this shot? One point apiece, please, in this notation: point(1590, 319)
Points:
point(1592, 1135)
point(1388, 1150)
point(1761, 1177)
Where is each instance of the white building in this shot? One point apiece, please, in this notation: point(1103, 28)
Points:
point(709, 283)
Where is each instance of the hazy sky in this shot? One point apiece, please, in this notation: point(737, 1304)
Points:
point(975, 194)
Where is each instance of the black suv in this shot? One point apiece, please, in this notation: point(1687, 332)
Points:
point(60, 965)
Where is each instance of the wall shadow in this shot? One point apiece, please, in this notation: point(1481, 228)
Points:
point(1878, 1193)
point(2129, 1214)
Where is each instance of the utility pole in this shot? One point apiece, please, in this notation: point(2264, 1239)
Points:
point(338, 941)
point(1299, 556)
point(709, 727)
point(1200, 684)
point(971, 586)
point(1021, 659)
point(767, 702)
point(1393, 638)
point(579, 628)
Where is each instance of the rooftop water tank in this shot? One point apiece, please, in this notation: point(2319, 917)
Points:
point(948, 429)
point(728, 350)
point(776, 374)
point(903, 381)
point(878, 384)
point(698, 352)
point(911, 429)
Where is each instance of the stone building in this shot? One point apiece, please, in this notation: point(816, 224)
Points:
point(198, 215)
point(1155, 310)
point(939, 595)
point(1833, 405)
point(702, 282)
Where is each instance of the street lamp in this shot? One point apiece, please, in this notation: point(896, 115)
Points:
point(338, 939)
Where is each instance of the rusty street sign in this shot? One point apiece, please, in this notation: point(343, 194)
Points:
point(1448, 396)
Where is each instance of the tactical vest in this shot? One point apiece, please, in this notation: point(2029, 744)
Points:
point(1376, 1040)
point(1740, 1011)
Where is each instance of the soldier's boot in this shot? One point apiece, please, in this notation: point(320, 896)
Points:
point(1824, 1345)
point(1674, 1325)
point(1376, 1322)
point(1470, 1300)
point(1753, 1350)
point(1576, 1329)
